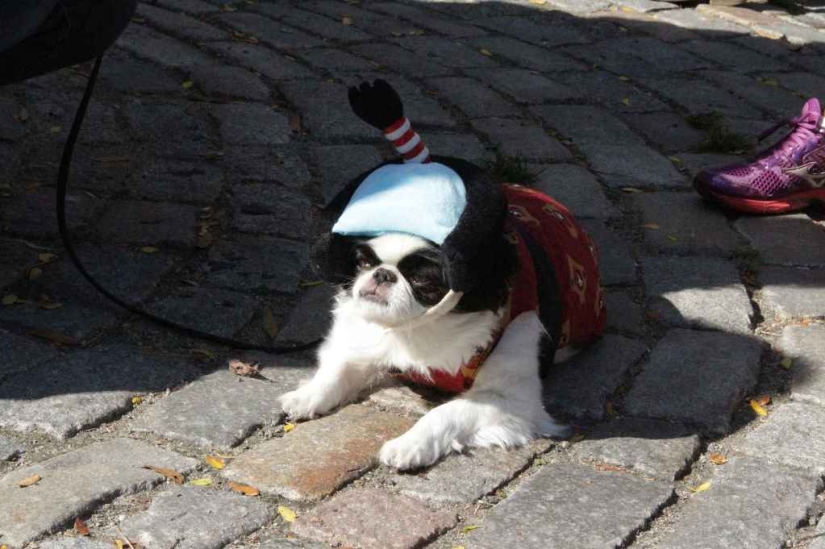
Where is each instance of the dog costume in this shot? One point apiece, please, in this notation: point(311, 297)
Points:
point(448, 202)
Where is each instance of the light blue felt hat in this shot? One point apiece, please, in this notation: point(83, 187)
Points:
point(425, 200)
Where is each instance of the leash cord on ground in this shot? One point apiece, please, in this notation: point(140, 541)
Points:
point(62, 185)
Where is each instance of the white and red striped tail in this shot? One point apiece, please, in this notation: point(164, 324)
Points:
point(407, 142)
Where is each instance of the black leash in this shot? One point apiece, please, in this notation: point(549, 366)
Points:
point(62, 184)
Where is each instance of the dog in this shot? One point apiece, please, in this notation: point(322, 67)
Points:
point(478, 309)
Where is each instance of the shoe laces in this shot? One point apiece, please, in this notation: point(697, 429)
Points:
point(805, 127)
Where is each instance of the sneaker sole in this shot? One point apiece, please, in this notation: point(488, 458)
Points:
point(790, 203)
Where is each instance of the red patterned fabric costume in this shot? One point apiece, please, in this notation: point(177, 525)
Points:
point(574, 258)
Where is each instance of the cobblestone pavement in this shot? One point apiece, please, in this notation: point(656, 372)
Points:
point(217, 134)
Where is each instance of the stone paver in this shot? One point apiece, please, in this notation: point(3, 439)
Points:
point(23, 215)
point(684, 223)
point(464, 478)
point(705, 293)
point(805, 345)
point(632, 165)
point(474, 99)
point(243, 124)
point(10, 448)
point(310, 319)
point(514, 138)
point(196, 518)
point(338, 165)
point(788, 292)
point(625, 314)
point(156, 223)
point(791, 436)
point(318, 456)
point(259, 59)
point(22, 353)
point(697, 378)
point(653, 448)
point(616, 262)
point(263, 208)
point(177, 180)
point(576, 188)
point(84, 389)
point(724, 515)
point(373, 519)
point(76, 482)
point(666, 130)
point(544, 512)
point(74, 543)
point(256, 263)
point(459, 145)
point(771, 235)
point(236, 405)
point(582, 386)
point(218, 312)
point(524, 86)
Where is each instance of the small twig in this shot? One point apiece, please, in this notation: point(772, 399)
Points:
point(120, 532)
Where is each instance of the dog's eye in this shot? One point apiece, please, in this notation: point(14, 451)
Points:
point(364, 263)
point(418, 280)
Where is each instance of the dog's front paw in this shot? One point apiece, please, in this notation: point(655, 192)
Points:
point(409, 451)
point(305, 402)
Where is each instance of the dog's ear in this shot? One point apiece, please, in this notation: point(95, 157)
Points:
point(337, 259)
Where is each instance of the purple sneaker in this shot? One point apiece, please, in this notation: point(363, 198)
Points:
point(789, 176)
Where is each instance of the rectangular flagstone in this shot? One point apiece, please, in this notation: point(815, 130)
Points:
point(318, 456)
point(805, 346)
point(221, 409)
point(373, 519)
point(75, 483)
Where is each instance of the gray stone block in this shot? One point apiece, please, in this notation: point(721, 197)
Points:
point(460, 145)
point(400, 59)
point(20, 353)
point(445, 52)
point(257, 264)
point(189, 6)
point(697, 162)
point(74, 543)
point(666, 130)
point(324, 115)
point(233, 82)
point(692, 19)
point(786, 240)
point(180, 24)
point(698, 292)
point(547, 33)
point(324, 27)
point(631, 166)
point(260, 59)
point(219, 312)
point(335, 60)
point(791, 435)
point(580, 387)
point(733, 57)
point(427, 20)
point(310, 319)
point(623, 313)
point(262, 164)
point(373, 519)
point(585, 124)
point(792, 293)
point(474, 99)
point(524, 86)
point(161, 49)
point(263, 208)
point(616, 262)
point(10, 448)
point(724, 516)
point(526, 56)
point(155, 223)
point(805, 345)
point(465, 478)
point(125, 74)
point(177, 129)
point(247, 124)
point(76, 482)
point(32, 214)
point(576, 188)
point(698, 96)
point(653, 448)
point(522, 139)
point(697, 378)
point(580, 6)
point(196, 518)
point(84, 389)
point(615, 94)
point(768, 97)
point(547, 510)
point(176, 180)
point(683, 222)
point(340, 164)
point(268, 31)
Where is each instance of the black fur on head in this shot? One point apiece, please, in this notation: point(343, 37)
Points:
point(475, 258)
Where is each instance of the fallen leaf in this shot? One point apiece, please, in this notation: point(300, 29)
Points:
point(769, 82)
point(295, 122)
point(35, 273)
point(651, 226)
point(311, 283)
point(56, 129)
point(171, 474)
point(624, 78)
point(149, 249)
point(461, 546)
point(758, 408)
point(763, 399)
point(187, 84)
point(119, 544)
point(287, 514)
point(29, 481)
point(270, 326)
point(49, 305)
point(205, 481)
point(80, 527)
point(718, 459)
point(631, 190)
point(288, 427)
point(243, 489)
point(626, 102)
point(469, 528)
point(215, 462)
point(786, 363)
point(246, 369)
point(538, 2)
point(609, 468)
point(205, 353)
point(136, 400)
point(9, 299)
point(701, 488)
point(673, 238)
point(486, 52)
point(346, 20)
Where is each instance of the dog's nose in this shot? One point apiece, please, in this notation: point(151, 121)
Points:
point(384, 276)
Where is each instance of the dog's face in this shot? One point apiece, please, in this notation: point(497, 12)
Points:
point(396, 278)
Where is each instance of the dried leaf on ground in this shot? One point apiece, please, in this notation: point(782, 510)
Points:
point(718, 459)
point(187, 84)
point(486, 52)
point(764, 400)
point(287, 514)
point(469, 528)
point(171, 474)
point(608, 468)
point(215, 462)
point(246, 369)
point(786, 363)
point(288, 427)
point(626, 102)
point(701, 488)
point(346, 20)
point(631, 190)
point(136, 400)
point(149, 249)
point(244, 489)
point(653, 226)
point(205, 481)
point(35, 273)
point(758, 408)
point(270, 326)
point(80, 527)
point(29, 481)
point(295, 122)
point(9, 299)
point(204, 353)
